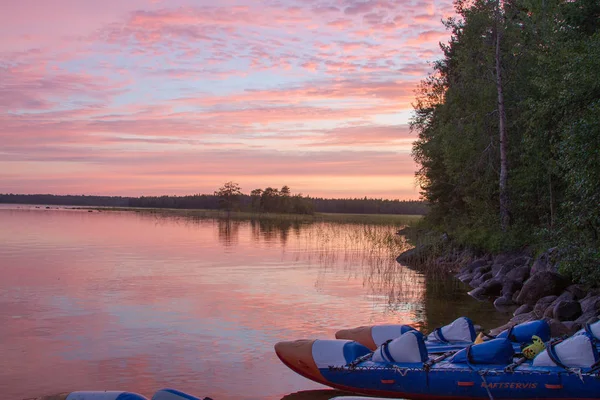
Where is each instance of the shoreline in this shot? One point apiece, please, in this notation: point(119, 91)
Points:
point(378, 219)
point(524, 286)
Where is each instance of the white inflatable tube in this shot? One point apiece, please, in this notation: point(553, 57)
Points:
point(107, 395)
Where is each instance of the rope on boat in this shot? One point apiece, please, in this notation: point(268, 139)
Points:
point(511, 368)
point(429, 363)
point(360, 359)
point(482, 374)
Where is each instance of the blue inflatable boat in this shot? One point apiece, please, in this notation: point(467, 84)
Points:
point(455, 336)
point(404, 368)
point(163, 394)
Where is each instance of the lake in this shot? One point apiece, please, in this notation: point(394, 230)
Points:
point(137, 301)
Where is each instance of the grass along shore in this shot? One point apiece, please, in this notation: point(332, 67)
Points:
point(377, 219)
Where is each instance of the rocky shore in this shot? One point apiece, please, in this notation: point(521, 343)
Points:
point(529, 288)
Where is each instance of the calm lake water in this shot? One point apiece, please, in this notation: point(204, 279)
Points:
point(134, 301)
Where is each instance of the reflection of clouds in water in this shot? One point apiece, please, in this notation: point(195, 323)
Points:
point(105, 298)
point(360, 251)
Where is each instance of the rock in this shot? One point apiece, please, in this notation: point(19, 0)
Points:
point(476, 264)
point(477, 274)
point(567, 310)
point(480, 281)
point(542, 304)
point(587, 318)
point(590, 304)
point(525, 308)
point(540, 285)
point(498, 330)
point(564, 296)
point(478, 294)
point(519, 274)
point(572, 326)
point(545, 262)
point(509, 287)
point(557, 328)
point(484, 268)
point(466, 277)
point(578, 291)
point(499, 270)
point(492, 287)
point(518, 262)
point(504, 304)
point(504, 258)
point(515, 296)
point(525, 317)
point(413, 255)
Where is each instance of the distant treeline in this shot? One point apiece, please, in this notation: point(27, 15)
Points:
point(211, 202)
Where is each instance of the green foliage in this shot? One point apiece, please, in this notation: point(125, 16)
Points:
point(581, 264)
point(229, 195)
point(551, 73)
point(274, 200)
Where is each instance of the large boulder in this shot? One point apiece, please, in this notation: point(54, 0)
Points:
point(476, 264)
point(587, 318)
point(545, 262)
point(541, 284)
point(525, 308)
point(572, 326)
point(498, 330)
point(483, 269)
point(542, 304)
point(478, 281)
point(509, 287)
point(590, 304)
point(515, 296)
point(504, 304)
point(557, 328)
point(491, 287)
point(465, 277)
point(519, 274)
point(500, 270)
point(478, 294)
point(525, 317)
point(414, 255)
point(579, 291)
point(567, 310)
point(564, 296)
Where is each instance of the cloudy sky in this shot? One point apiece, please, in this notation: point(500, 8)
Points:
point(178, 96)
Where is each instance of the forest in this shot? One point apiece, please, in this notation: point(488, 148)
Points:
point(273, 201)
point(508, 129)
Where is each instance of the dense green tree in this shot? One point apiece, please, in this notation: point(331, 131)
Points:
point(546, 54)
point(229, 196)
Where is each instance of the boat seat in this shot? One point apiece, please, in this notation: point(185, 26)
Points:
point(578, 351)
point(461, 330)
point(496, 351)
point(522, 333)
point(408, 348)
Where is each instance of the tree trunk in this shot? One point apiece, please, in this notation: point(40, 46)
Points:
point(504, 197)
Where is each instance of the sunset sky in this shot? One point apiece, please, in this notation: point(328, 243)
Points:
point(150, 97)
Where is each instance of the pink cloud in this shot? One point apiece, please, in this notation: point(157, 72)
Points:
point(119, 82)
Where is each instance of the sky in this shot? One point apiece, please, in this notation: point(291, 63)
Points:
point(152, 97)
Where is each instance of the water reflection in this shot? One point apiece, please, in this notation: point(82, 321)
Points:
point(137, 302)
point(229, 231)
